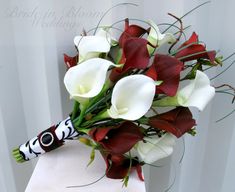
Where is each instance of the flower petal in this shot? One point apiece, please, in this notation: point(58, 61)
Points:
point(113, 138)
point(99, 133)
point(105, 32)
point(134, 56)
point(192, 50)
point(132, 97)
point(156, 148)
point(70, 61)
point(177, 121)
point(168, 70)
point(131, 31)
point(91, 46)
point(157, 39)
point(118, 166)
point(198, 93)
point(86, 79)
point(152, 73)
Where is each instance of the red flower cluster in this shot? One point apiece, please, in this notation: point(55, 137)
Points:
point(116, 141)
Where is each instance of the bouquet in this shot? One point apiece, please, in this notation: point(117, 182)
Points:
point(121, 85)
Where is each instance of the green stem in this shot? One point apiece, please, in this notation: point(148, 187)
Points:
point(225, 116)
point(191, 55)
point(126, 178)
point(184, 47)
point(117, 5)
point(143, 120)
point(84, 130)
point(222, 71)
point(166, 102)
point(96, 100)
point(18, 157)
point(102, 115)
point(186, 15)
point(83, 108)
point(93, 107)
point(87, 107)
point(75, 110)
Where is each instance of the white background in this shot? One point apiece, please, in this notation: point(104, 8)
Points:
point(33, 96)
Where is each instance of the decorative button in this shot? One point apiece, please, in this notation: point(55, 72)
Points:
point(47, 139)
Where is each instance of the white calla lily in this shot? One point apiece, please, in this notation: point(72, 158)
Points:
point(105, 32)
point(198, 93)
point(158, 39)
point(132, 97)
point(91, 46)
point(87, 79)
point(155, 148)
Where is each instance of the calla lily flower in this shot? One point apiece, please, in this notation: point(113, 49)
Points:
point(118, 166)
point(135, 55)
point(196, 94)
point(87, 79)
point(112, 138)
point(155, 148)
point(193, 50)
point(70, 61)
point(157, 39)
point(167, 69)
point(177, 121)
point(130, 32)
point(132, 97)
point(105, 32)
point(92, 46)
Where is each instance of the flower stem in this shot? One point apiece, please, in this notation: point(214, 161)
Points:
point(18, 157)
point(88, 106)
point(143, 120)
point(126, 178)
point(102, 115)
point(190, 11)
point(75, 110)
point(166, 102)
point(99, 97)
point(83, 108)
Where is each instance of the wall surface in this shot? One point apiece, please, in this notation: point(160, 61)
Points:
point(33, 37)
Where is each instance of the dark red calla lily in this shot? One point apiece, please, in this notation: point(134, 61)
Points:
point(167, 69)
point(118, 166)
point(135, 55)
point(177, 121)
point(119, 139)
point(116, 74)
point(194, 48)
point(70, 61)
point(151, 72)
point(131, 31)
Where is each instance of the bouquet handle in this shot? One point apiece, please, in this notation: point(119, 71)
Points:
point(46, 141)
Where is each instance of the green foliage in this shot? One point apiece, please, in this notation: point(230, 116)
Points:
point(192, 131)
